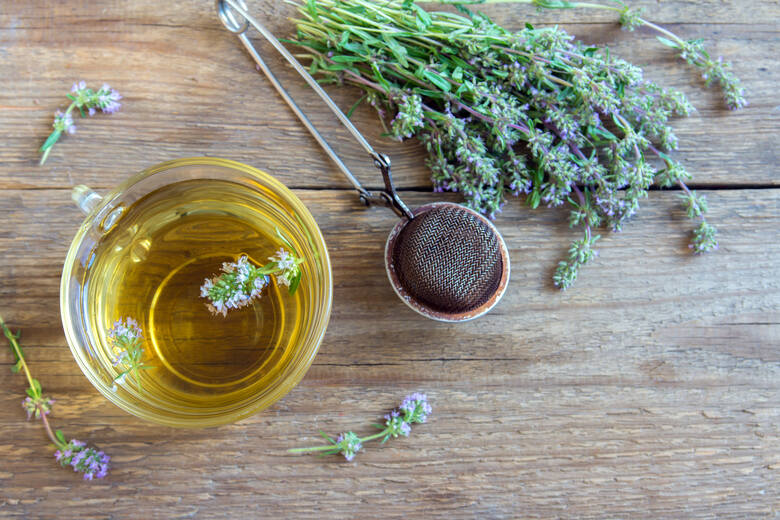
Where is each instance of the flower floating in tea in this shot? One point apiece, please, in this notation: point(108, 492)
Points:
point(126, 339)
point(414, 409)
point(241, 282)
point(105, 98)
point(84, 459)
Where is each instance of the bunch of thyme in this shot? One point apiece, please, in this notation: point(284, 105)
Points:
point(89, 461)
point(630, 18)
point(414, 409)
point(531, 112)
point(81, 97)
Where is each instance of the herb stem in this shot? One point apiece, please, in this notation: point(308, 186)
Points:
point(60, 445)
point(18, 351)
point(313, 448)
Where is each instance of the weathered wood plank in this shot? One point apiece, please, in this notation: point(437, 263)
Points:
point(651, 386)
point(190, 90)
point(650, 389)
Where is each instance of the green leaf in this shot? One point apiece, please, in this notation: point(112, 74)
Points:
point(16, 367)
point(53, 137)
point(347, 59)
point(423, 19)
point(437, 80)
point(457, 74)
point(36, 386)
point(664, 156)
point(30, 392)
point(268, 268)
point(311, 8)
point(667, 42)
point(60, 436)
point(397, 50)
point(295, 282)
point(286, 242)
point(533, 199)
point(327, 437)
point(358, 102)
point(344, 38)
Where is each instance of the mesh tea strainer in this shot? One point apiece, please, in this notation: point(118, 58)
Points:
point(444, 260)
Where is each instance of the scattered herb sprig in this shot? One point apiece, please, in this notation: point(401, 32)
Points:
point(89, 461)
point(82, 98)
point(414, 409)
point(531, 112)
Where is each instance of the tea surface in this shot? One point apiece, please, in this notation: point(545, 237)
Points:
point(150, 267)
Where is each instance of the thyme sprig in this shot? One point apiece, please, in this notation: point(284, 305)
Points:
point(84, 459)
point(242, 282)
point(127, 340)
point(414, 409)
point(82, 98)
point(533, 112)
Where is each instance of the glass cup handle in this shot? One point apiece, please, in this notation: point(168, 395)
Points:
point(85, 198)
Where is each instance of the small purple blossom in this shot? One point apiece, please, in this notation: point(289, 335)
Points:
point(349, 444)
point(126, 339)
point(416, 407)
point(125, 330)
point(397, 425)
point(108, 99)
point(89, 461)
point(64, 122)
point(37, 406)
point(78, 86)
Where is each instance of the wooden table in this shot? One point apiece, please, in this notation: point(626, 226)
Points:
point(649, 390)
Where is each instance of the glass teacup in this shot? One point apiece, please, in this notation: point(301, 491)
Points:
point(142, 256)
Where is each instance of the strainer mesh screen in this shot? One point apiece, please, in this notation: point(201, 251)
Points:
point(448, 259)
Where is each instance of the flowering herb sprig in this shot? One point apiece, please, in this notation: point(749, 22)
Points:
point(414, 409)
point(532, 113)
point(241, 282)
point(126, 339)
point(82, 98)
point(89, 461)
point(692, 51)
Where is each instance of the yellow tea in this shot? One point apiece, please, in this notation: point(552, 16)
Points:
point(150, 266)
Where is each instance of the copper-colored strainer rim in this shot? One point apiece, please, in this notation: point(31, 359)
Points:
point(425, 310)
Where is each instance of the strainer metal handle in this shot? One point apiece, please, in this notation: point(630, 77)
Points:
point(227, 11)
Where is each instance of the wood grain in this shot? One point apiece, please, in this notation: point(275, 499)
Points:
point(648, 390)
point(651, 387)
point(190, 89)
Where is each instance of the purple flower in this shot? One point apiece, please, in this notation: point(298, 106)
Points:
point(416, 407)
point(89, 461)
point(108, 99)
point(397, 425)
point(80, 85)
point(125, 330)
point(348, 444)
point(37, 406)
point(64, 122)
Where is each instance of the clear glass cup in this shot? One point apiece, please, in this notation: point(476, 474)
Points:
point(256, 391)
